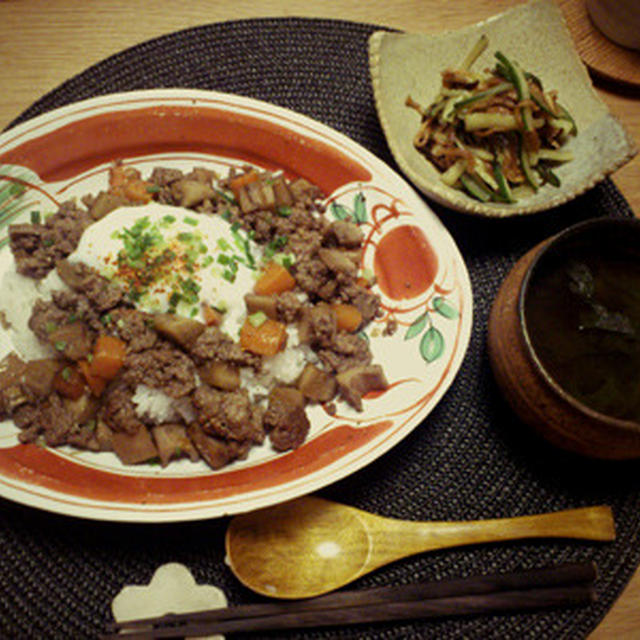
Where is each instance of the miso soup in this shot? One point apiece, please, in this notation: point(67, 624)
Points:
point(582, 314)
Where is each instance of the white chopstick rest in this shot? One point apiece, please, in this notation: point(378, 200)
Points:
point(172, 590)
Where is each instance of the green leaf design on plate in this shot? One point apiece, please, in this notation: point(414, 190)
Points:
point(339, 211)
point(432, 344)
point(445, 308)
point(359, 208)
point(416, 327)
point(12, 194)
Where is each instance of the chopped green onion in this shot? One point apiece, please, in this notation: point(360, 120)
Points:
point(275, 245)
point(284, 259)
point(258, 318)
point(228, 197)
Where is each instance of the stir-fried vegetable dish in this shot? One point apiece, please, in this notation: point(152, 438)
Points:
point(496, 134)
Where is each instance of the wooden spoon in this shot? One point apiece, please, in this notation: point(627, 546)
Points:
point(310, 546)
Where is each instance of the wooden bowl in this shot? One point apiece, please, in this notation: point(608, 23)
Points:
point(523, 372)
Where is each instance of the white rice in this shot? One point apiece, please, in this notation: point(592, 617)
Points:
point(159, 407)
point(19, 294)
point(283, 368)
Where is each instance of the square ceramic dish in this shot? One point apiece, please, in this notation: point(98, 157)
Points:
point(534, 34)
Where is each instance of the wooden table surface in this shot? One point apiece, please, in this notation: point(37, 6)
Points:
point(45, 42)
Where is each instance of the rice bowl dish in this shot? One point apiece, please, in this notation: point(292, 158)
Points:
point(185, 316)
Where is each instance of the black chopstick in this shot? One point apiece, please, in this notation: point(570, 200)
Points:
point(564, 585)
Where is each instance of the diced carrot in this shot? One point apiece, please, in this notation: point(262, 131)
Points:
point(266, 339)
point(211, 316)
point(274, 279)
point(95, 383)
point(108, 357)
point(348, 316)
point(137, 191)
point(237, 183)
point(69, 383)
point(127, 182)
point(117, 176)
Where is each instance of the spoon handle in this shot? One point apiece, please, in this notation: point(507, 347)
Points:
point(394, 539)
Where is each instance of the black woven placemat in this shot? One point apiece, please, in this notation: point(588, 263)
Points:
point(470, 459)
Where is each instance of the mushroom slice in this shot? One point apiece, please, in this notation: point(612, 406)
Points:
point(354, 383)
point(317, 385)
point(172, 442)
point(133, 448)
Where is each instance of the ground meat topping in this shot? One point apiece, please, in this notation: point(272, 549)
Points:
point(285, 419)
point(119, 410)
point(345, 352)
point(214, 344)
point(228, 414)
point(38, 247)
point(167, 369)
point(133, 327)
point(288, 307)
point(217, 452)
point(101, 388)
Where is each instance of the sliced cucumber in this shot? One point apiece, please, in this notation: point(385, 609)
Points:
point(565, 115)
point(453, 173)
point(475, 52)
point(482, 95)
point(517, 76)
point(503, 184)
point(555, 155)
point(548, 175)
point(474, 188)
point(525, 165)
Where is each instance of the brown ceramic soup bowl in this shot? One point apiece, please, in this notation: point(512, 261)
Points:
point(564, 338)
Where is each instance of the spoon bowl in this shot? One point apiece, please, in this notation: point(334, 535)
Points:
point(310, 546)
point(297, 547)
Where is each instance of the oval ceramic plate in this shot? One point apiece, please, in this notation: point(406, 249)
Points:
point(67, 153)
point(534, 34)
